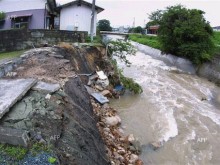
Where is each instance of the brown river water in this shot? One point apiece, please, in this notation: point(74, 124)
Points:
point(177, 108)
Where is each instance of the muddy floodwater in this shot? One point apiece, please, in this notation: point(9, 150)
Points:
point(176, 108)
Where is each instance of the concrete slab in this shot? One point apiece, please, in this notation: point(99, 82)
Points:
point(90, 90)
point(11, 91)
point(14, 136)
point(100, 98)
point(46, 87)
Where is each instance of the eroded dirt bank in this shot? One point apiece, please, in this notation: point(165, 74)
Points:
point(70, 119)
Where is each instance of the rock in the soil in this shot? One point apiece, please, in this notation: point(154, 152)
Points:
point(105, 92)
point(14, 136)
point(112, 121)
point(46, 87)
point(133, 158)
point(48, 96)
point(156, 145)
point(131, 138)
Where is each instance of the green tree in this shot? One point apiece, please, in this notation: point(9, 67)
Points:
point(137, 29)
point(104, 25)
point(154, 18)
point(2, 15)
point(185, 32)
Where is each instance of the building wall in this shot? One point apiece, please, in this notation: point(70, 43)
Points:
point(18, 39)
point(76, 16)
point(18, 5)
point(36, 21)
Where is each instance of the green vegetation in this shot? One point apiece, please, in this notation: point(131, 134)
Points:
point(38, 147)
point(52, 160)
point(2, 15)
point(185, 33)
point(104, 25)
point(154, 18)
point(96, 39)
point(216, 40)
point(151, 41)
point(121, 49)
point(137, 29)
point(128, 83)
point(11, 54)
point(17, 153)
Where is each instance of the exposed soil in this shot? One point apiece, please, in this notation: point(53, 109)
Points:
point(67, 119)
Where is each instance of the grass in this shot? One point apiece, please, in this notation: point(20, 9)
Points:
point(151, 41)
point(38, 147)
point(9, 55)
point(216, 40)
point(17, 153)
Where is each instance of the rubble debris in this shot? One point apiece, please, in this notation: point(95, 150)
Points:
point(113, 120)
point(12, 91)
point(14, 136)
point(120, 148)
point(46, 87)
point(100, 98)
point(156, 145)
point(102, 79)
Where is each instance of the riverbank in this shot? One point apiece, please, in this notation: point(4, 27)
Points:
point(209, 70)
point(80, 130)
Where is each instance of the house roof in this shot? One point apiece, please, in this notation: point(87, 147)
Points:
point(21, 15)
point(79, 3)
point(154, 27)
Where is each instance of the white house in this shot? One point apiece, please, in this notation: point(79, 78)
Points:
point(76, 16)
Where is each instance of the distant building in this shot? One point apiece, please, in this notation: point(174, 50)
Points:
point(76, 16)
point(153, 29)
point(217, 28)
point(31, 14)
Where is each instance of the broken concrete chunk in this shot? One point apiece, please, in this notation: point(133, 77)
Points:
point(46, 87)
point(112, 121)
point(11, 91)
point(48, 96)
point(100, 98)
point(14, 136)
point(90, 90)
point(56, 55)
point(101, 75)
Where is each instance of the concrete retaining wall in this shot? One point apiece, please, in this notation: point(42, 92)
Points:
point(211, 70)
point(19, 39)
point(169, 59)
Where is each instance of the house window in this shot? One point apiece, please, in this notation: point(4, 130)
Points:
point(20, 22)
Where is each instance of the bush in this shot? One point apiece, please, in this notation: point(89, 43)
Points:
point(186, 33)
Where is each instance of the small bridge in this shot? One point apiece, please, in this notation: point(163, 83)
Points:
point(113, 33)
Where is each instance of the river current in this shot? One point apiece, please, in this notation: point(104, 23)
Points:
point(176, 108)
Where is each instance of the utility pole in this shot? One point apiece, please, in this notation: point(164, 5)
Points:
point(92, 21)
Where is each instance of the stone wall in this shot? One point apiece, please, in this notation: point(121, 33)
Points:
point(19, 39)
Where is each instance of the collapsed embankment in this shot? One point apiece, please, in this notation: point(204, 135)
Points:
point(80, 130)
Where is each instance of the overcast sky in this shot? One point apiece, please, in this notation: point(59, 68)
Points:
point(123, 12)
